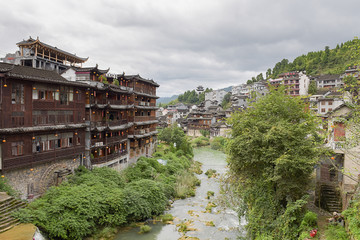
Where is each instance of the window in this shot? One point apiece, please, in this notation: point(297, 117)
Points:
point(17, 148)
point(330, 103)
point(330, 109)
point(323, 110)
point(323, 103)
point(17, 94)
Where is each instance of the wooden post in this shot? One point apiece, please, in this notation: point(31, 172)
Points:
point(43, 53)
point(36, 51)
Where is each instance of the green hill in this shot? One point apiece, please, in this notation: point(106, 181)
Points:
point(327, 61)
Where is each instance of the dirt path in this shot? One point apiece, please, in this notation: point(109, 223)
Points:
point(19, 232)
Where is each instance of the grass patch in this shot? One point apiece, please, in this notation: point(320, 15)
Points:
point(336, 232)
point(185, 185)
point(209, 207)
point(107, 233)
point(145, 229)
point(196, 167)
point(210, 224)
point(210, 194)
point(167, 218)
point(210, 173)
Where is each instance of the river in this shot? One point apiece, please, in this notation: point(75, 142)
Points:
point(225, 220)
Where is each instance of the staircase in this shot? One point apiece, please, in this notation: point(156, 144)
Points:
point(330, 198)
point(7, 206)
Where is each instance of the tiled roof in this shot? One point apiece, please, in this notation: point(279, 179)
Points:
point(327, 77)
point(31, 41)
point(137, 77)
point(33, 74)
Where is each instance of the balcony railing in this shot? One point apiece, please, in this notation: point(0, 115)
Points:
point(107, 158)
point(147, 104)
point(111, 102)
point(109, 140)
point(42, 157)
point(108, 123)
point(143, 118)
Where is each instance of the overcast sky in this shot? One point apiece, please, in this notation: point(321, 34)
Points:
point(182, 44)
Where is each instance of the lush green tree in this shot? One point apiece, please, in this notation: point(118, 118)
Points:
point(272, 153)
point(312, 88)
point(175, 134)
point(268, 73)
point(259, 77)
point(249, 82)
point(226, 101)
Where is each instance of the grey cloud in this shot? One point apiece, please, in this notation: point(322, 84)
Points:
point(182, 44)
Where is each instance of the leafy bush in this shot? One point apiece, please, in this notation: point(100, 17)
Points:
point(218, 143)
point(5, 187)
point(309, 221)
point(145, 229)
point(103, 197)
point(336, 232)
point(205, 133)
point(210, 173)
point(200, 141)
point(352, 217)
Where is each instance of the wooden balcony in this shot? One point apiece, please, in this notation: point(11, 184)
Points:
point(107, 158)
point(111, 102)
point(106, 141)
point(146, 104)
point(48, 156)
point(108, 123)
point(143, 118)
point(51, 105)
point(198, 126)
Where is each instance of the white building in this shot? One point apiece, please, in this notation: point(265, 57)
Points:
point(216, 95)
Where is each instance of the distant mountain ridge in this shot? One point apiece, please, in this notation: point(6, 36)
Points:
point(165, 100)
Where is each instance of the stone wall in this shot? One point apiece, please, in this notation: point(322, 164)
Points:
point(194, 133)
point(32, 182)
point(147, 150)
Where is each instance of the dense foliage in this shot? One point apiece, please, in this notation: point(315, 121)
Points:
point(352, 217)
point(5, 187)
point(200, 141)
point(226, 103)
point(272, 153)
point(218, 143)
point(103, 197)
point(175, 136)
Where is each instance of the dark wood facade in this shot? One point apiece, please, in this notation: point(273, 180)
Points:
point(42, 117)
point(143, 133)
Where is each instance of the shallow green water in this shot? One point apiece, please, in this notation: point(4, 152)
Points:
point(226, 220)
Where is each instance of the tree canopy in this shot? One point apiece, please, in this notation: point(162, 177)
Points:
point(272, 153)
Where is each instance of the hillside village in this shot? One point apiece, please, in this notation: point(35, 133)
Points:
point(328, 101)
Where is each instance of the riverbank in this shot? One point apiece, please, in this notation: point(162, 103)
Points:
point(90, 200)
point(194, 215)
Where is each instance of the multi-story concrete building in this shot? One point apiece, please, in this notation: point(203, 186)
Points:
point(216, 95)
point(254, 90)
point(329, 81)
point(296, 83)
point(329, 102)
